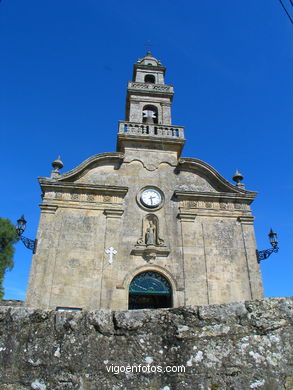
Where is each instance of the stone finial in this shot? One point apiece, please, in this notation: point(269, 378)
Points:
point(56, 164)
point(238, 177)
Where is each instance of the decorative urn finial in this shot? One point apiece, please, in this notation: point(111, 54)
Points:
point(238, 177)
point(56, 164)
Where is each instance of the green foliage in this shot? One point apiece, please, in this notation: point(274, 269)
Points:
point(8, 237)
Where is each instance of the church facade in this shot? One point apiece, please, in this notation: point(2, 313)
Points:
point(143, 227)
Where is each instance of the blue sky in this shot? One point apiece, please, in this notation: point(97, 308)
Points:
point(64, 70)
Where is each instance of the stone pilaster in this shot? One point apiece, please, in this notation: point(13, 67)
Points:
point(253, 268)
point(43, 264)
point(110, 269)
point(194, 260)
point(166, 113)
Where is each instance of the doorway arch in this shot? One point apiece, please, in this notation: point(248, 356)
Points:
point(149, 290)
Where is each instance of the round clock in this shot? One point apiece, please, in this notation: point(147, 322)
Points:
point(151, 198)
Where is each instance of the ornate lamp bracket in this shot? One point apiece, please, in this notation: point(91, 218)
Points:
point(262, 255)
point(20, 228)
point(30, 244)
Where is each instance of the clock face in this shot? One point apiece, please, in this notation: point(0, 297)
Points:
point(151, 198)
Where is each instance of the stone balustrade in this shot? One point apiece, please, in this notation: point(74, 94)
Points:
point(154, 130)
point(151, 87)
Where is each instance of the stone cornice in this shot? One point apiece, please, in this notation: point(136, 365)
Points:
point(53, 185)
point(216, 179)
point(214, 203)
point(77, 205)
point(80, 195)
point(214, 196)
point(135, 89)
point(146, 67)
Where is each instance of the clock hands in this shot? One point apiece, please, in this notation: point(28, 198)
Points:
point(151, 199)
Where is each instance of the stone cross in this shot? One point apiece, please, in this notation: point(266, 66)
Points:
point(148, 44)
point(110, 251)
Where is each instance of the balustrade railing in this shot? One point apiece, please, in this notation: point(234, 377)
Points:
point(150, 87)
point(154, 130)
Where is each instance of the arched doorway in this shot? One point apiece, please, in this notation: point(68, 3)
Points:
point(149, 290)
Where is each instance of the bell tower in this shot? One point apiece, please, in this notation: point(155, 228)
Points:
point(148, 108)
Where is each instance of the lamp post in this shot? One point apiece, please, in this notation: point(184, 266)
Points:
point(20, 228)
point(262, 255)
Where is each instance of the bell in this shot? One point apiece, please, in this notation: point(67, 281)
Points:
point(149, 116)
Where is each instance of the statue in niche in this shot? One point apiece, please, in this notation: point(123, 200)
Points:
point(150, 231)
point(150, 245)
point(150, 236)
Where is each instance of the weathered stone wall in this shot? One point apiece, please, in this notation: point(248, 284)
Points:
point(245, 345)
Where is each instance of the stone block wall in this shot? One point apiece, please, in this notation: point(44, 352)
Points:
point(244, 345)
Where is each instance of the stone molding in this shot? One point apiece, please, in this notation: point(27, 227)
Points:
point(79, 194)
point(246, 219)
point(113, 213)
point(216, 202)
point(192, 164)
point(48, 208)
point(186, 217)
point(150, 252)
point(157, 67)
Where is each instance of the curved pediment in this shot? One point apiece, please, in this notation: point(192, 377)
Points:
point(191, 176)
point(214, 182)
point(113, 160)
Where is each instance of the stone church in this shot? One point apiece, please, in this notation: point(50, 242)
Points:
point(143, 227)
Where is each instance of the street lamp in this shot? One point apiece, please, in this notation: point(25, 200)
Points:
point(262, 255)
point(20, 228)
point(21, 225)
point(273, 238)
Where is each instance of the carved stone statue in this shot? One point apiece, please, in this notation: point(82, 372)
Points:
point(150, 231)
point(150, 238)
